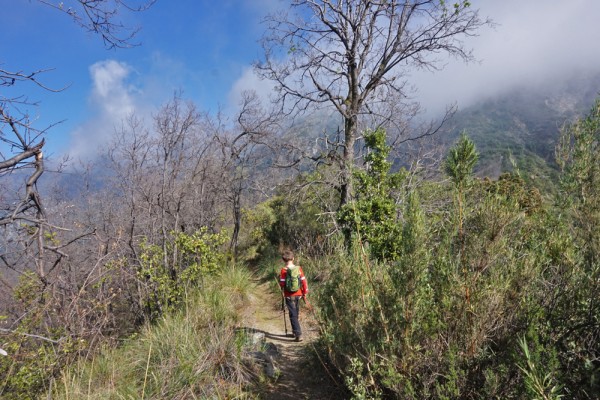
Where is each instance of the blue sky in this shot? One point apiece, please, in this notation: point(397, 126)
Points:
point(206, 48)
point(199, 46)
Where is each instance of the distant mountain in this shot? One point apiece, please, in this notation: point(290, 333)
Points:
point(518, 128)
point(523, 126)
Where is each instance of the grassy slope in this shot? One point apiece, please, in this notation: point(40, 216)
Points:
point(192, 354)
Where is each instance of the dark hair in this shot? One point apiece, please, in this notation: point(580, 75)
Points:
point(287, 255)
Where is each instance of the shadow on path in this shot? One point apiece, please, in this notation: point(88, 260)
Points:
point(289, 338)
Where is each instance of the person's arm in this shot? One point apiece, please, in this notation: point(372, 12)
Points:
point(282, 278)
point(304, 283)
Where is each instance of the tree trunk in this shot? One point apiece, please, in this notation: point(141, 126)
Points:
point(348, 159)
point(237, 221)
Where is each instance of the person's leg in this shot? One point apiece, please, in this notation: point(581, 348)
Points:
point(293, 309)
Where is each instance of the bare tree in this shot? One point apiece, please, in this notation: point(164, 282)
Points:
point(34, 241)
point(171, 178)
point(244, 149)
point(354, 56)
point(24, 142)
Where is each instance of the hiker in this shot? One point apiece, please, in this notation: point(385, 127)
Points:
point(294, 286)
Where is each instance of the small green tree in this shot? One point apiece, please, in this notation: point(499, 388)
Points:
point(459, 166)
point(373, 216)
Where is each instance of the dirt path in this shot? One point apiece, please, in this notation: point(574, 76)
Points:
point(299, 373)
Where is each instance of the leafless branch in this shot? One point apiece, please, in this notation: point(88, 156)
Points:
point(101, 17)
point(30, 335)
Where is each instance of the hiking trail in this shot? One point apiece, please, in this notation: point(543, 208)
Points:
point(299, 372)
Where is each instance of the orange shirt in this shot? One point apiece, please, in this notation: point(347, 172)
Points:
point(303, 285)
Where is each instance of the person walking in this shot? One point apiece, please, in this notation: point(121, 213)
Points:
point(294, 286)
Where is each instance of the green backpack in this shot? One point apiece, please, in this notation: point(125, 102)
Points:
point(292, 280)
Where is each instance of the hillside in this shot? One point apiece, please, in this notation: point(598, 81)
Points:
point(524, 124)
point(516, 128)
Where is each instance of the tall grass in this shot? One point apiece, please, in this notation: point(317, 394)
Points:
point(194, 353)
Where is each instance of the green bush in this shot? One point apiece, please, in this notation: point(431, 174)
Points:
point(372, 217)
point(577, 309)
point(186, 261)
point(441, 319)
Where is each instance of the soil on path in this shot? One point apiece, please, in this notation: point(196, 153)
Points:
point(299, 369)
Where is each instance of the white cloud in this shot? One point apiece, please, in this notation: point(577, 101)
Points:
point(112, 100)
point(534, 43)
point(249, 81)
point(110, 91)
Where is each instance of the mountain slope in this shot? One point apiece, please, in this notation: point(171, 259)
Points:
point(521, 127)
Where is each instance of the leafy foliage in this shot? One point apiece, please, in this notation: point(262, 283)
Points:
point(257, 222)
point(372, 216)
point(32, 359)
point(197, 255)
point(579, 203)
point(301, 217)
point(538, 384)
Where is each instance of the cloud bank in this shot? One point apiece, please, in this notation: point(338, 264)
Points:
point(533, 43)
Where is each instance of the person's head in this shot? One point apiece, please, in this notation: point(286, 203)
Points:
point(287, 255)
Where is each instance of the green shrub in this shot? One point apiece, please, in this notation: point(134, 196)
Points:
point(440, 319)
point(187, 260)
